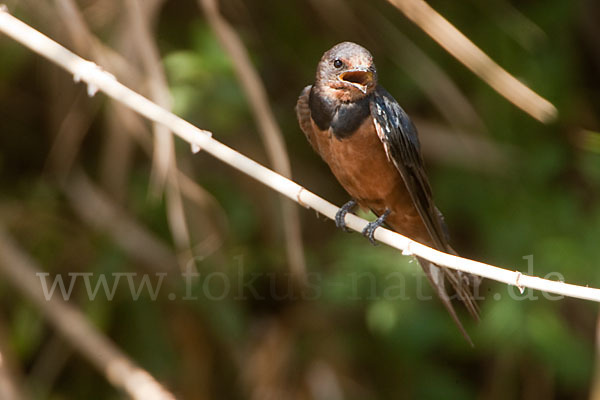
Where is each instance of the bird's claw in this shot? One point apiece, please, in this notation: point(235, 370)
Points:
point(340, 216)
point(369, 230)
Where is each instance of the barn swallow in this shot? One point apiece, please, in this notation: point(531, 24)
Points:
point(372, 148)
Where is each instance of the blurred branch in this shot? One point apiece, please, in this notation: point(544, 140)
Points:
point(118, 369)
point(117, 149)
point(96, 78)
point(465, 51)
point(323, 382)
point(513, 22)
point(475, 152)
point(268, 360)
point(8, 388)
point(50, 363)
point(159, 92)
point(84, 40)
point(271, 134)
point(69, 137)
point(164, 162)
point(122, 119)
point(99, 212)
point(192, 191)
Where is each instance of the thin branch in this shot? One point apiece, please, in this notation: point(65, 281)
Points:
point(139, 20)
point(164, 148)
point(140, 14)
point(164, 161)
point(119, 370)
point(69, 137)
point(96, 78)
point(465, 51)
point(271, 134)
point(117, 149)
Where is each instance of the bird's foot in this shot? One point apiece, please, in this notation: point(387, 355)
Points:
point(340, 216)
point(369, 230)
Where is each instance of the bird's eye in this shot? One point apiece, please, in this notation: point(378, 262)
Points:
point(338, 63)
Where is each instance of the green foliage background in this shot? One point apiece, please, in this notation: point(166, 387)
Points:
point(350, 337)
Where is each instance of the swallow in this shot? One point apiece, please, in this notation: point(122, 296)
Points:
point(372, 148)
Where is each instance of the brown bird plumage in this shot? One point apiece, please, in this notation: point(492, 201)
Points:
point(372, 148)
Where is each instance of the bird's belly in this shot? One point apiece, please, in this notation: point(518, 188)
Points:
point(360, 164)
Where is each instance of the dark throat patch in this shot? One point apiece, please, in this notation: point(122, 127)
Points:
point(343, 118)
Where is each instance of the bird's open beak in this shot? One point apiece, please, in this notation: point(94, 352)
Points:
point(359, 78)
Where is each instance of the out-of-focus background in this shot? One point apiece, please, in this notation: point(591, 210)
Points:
point(80, 193)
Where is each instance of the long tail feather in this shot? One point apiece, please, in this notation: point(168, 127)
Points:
point(436, 276)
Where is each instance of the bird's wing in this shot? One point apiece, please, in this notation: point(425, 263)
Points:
point(399, 138)
point(303, 115)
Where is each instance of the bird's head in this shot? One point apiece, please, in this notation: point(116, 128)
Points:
point(346, 72)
